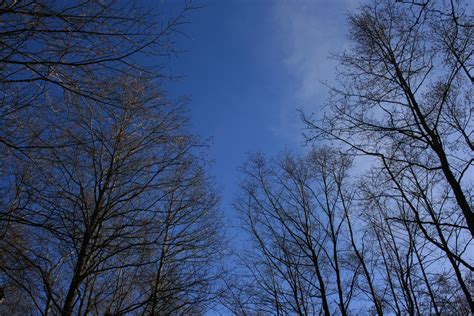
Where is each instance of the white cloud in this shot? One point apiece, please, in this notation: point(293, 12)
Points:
point(308, 32)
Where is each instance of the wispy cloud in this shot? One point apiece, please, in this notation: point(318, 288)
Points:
point(307, 32)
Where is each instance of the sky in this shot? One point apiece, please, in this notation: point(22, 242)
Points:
point(247, 67)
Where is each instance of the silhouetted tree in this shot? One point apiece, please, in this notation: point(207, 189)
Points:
point(293, 209)
point(105, 204)
point(404, 98)
point(49, 49)
point(122, 221)
point(325, 241)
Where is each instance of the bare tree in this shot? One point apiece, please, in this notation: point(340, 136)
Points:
point(50, 48)
point(397, 238)
point(326, 240)
point(296, 215)
point(123, 221)
point(106, 207)
point(404, 98)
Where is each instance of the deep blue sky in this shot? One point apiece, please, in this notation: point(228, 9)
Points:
point(247, 67)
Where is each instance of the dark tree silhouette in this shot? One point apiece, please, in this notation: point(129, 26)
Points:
point(105, 202)
point(124, 221)
point(398, 237)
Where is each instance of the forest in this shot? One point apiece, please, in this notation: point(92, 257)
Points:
point(108, 202)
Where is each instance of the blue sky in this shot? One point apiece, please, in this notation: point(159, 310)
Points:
point(247, 67)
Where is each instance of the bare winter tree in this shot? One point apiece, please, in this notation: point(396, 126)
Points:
point(48, 48)
point(105, 204)
point(327, 242)
point(122, 222)
point(296, 215)
point(426, 258)
point(398, 237)
point(404, 98)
